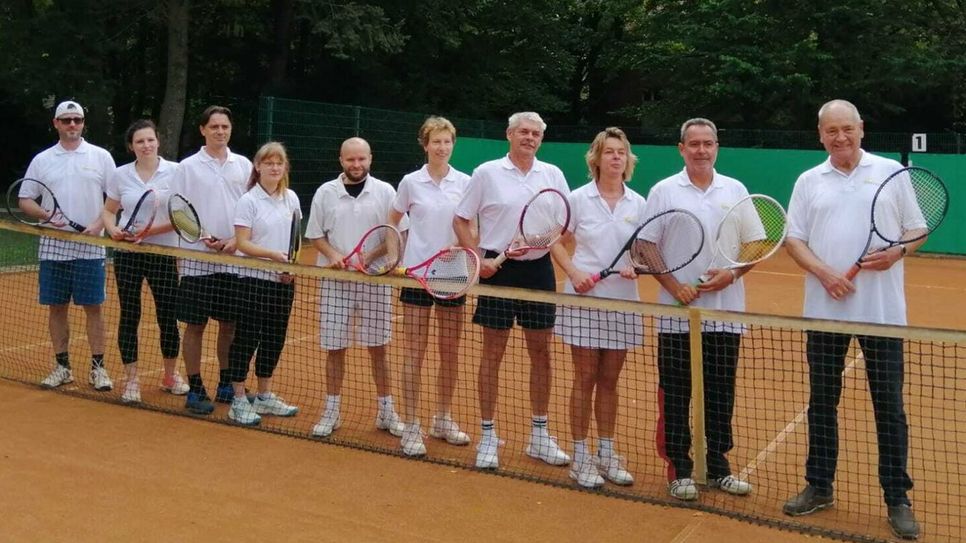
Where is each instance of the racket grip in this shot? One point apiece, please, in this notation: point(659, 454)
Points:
point(853, 271)
point(76, 226)
point(500, 259)
point(598, 277)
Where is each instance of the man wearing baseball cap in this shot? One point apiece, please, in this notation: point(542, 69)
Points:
point(76, 172)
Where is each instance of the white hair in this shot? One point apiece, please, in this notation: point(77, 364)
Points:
point(531, 116)
point(844, 104)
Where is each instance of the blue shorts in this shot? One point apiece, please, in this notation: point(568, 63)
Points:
point(82, 280)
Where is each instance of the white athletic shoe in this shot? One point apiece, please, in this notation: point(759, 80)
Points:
point(585, 473)
point(412, 441)
point(132, 392)
point(273, 405)
point(330, 422)
point(446, 428)
point(390, 422)
point(175, 385)
point(683, 489)
point(100, 380)
point(243, 412)
point(487, 453)
point(612, 468)
point(731, 485)
point(60, 376)
point(545, 448)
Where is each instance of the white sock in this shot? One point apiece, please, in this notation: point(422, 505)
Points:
point(332, 403)
point(581, 454)
point(385, 404)
point(605, 447)
point(538, 426)
point(489, 430)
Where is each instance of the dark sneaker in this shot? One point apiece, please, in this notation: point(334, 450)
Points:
point(225, 393)
point(199, 403)
point(808, 501)
point(903, 522)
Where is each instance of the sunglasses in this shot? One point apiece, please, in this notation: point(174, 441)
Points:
point(72, 120)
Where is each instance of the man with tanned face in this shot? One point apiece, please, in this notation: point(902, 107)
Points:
point(344, 209)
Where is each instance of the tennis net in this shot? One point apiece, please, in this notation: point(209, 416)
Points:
point(770, 401)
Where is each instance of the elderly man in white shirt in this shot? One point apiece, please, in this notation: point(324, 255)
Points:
point(828, 223)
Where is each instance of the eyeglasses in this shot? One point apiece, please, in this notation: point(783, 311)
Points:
point(72, 120)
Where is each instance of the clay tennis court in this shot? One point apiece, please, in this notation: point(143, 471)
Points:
point(146, 475)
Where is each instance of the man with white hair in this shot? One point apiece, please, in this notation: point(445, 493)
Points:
point(497, 193)
point(76, 172)
point(827, 225)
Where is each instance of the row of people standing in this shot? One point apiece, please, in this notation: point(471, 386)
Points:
point(483, 210)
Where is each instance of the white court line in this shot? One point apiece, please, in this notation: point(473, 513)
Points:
point(789, 429)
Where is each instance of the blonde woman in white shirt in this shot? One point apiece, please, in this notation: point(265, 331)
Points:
point(263, 217)
point(605, 213)
point(430, 195)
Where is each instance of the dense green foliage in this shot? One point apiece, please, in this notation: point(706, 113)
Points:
point(753, 64)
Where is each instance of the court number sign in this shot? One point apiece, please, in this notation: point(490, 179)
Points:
point(918, 143)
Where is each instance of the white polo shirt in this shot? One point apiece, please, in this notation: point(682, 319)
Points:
point(830, 212)
point(600, 234)
point(431, 208)
point(710, 207)
point(78, 179)
point(125, 186)
point(342, 219)
point(497, 193)
point(270, 221)
point(213, 189)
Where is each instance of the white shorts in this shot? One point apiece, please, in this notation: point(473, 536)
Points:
point(598, 328)
point(355, 311)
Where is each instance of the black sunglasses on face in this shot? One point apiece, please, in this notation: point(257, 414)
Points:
point(72, 120)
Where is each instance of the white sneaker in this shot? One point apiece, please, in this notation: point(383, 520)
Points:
point(60, 376)
point(243, 413)
point(330, 422)
point(100, 380)
point(683, 489)
point(612, 468)
point(389, 421)
point(586, 475)
point(731, 485)
point(487, 453)
point(273, 405)
point(412, 441)
point(175, 385)
point(545, 448)
point(132, 392)
point(446, 428)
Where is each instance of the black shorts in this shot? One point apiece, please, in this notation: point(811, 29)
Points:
point(500, 313)
point(212, 296)
point(421, 298)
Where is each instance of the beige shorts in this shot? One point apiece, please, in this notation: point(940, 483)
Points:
point(355, 313)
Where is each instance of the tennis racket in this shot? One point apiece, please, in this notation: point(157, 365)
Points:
point(752, 230)
point(295, 238)
point(448, 274)
point(646, 255)
point(185, 220)
point(32, 202)
point(142, 217)
point(378, 252)
point(543, 221)
point(907, 207)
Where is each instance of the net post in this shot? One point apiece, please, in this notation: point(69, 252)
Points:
point(698, 440)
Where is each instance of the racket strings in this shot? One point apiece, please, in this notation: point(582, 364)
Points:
point(544, 220)
point(667, 243)
point(752, 231)
point(380, 251)
point(143, 215)
point(910, 206)
point(187, 223)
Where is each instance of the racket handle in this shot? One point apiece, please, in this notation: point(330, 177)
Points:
point(500, 259)
point(598, 277)
point(76, 226)
point(853, 271)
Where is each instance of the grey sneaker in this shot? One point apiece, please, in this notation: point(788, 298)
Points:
point(903, 522)
point(808, 501)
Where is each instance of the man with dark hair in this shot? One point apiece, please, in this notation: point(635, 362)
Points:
point(213, 179)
